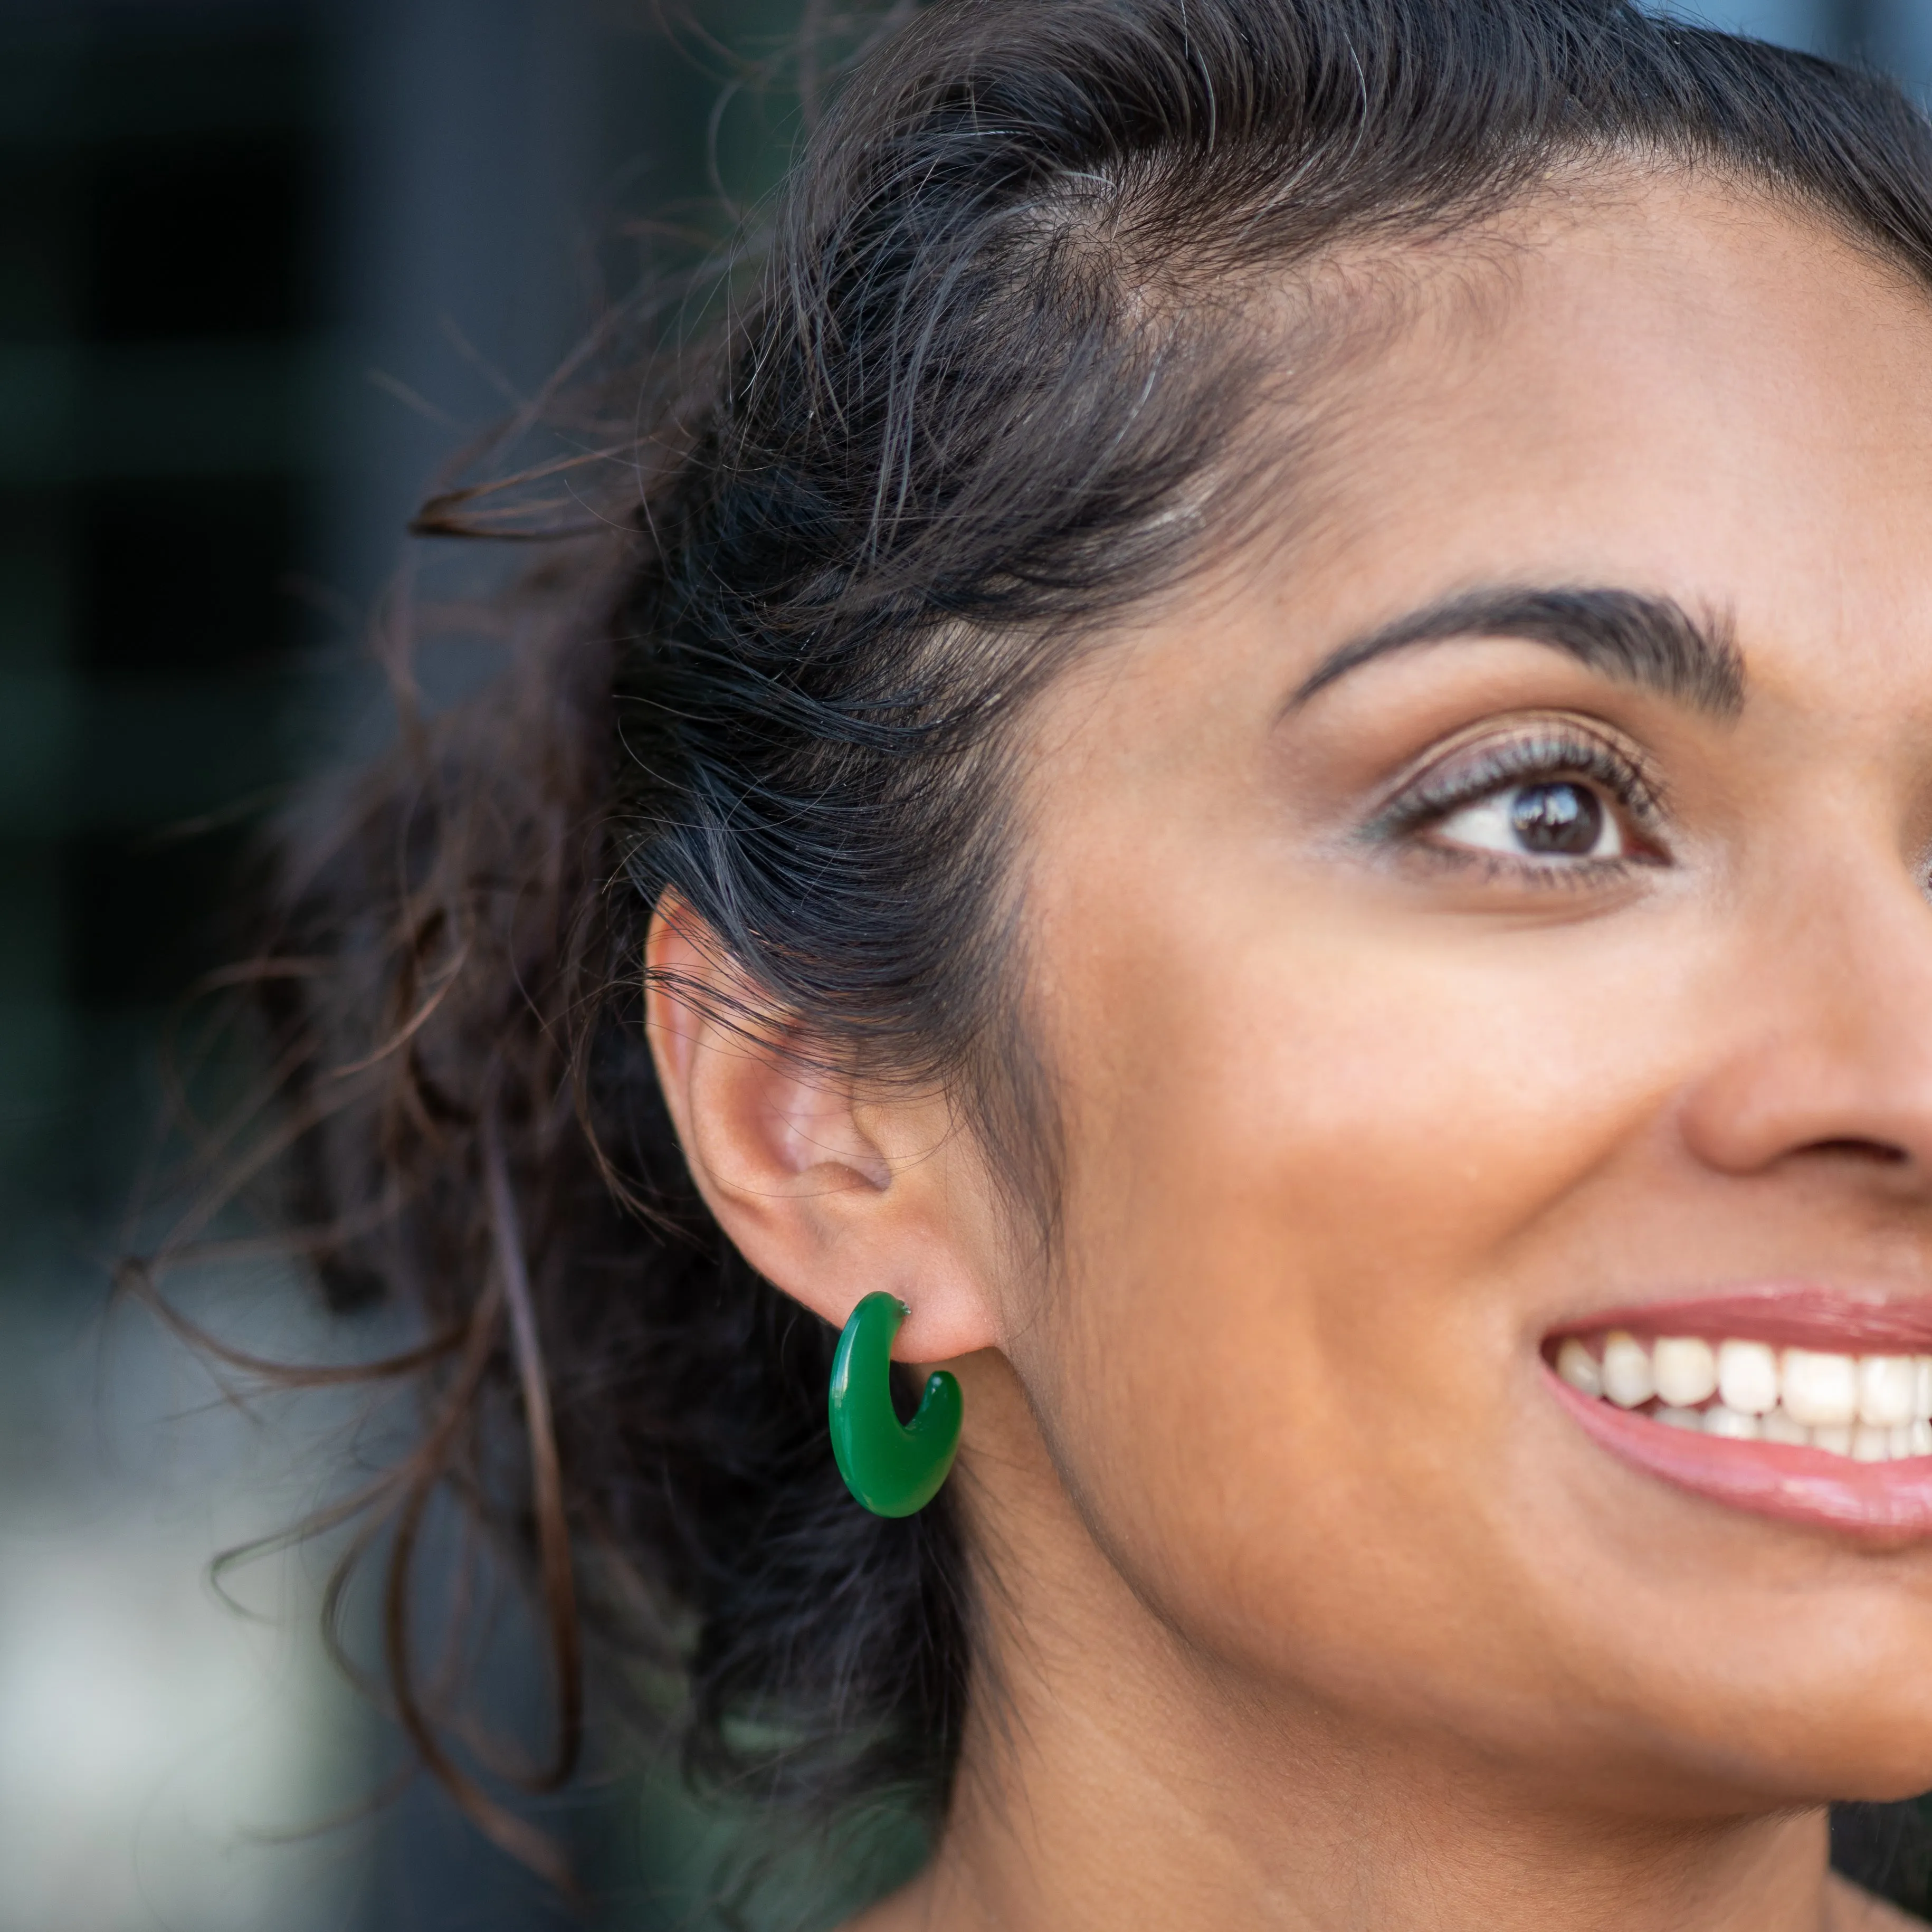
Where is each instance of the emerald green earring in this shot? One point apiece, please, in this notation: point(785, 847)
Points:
point(893, 1468)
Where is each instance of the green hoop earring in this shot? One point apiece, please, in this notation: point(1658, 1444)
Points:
point(893, 1468)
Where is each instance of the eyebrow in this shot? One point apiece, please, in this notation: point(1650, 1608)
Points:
point(1641, 639)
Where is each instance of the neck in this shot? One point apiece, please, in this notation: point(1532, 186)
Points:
point(1111, 1776)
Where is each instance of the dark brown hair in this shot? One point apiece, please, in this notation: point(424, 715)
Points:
point(973, 390)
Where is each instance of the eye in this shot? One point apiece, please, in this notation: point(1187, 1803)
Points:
point(1549, 798)
point(1548, 818)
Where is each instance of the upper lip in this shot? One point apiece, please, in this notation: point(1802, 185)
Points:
point(1837, 1318)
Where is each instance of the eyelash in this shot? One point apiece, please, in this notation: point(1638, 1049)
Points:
point(1552, 753)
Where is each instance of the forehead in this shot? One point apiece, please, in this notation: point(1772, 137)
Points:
point(1680, 386)
point(1680, 389)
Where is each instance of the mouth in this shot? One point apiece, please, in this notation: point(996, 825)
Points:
point(1811, 1405)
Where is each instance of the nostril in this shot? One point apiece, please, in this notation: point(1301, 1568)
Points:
point(1882, 1153)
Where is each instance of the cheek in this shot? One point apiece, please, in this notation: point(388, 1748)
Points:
point(1320, 1190)
point(1331, 1176)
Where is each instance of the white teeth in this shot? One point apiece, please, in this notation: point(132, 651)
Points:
point(1578, 1367)
point(1821, 1391)
point(1685, 1369)
point(1627, 1377)
point(1873, 1408)
point(1888, 1389)
point(1721, 1419)
point(1748, 1377)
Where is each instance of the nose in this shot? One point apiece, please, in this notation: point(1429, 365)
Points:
point(1826, 1047)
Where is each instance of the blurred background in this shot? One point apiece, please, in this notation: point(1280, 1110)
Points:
point(263, 264)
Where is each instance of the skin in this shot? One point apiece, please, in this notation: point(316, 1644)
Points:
point(1307, 1607)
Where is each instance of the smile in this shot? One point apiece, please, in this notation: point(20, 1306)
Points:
point(1797, 1402)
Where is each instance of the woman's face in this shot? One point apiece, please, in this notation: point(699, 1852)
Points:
point(1497, 913)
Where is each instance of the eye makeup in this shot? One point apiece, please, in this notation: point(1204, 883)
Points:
point(1540, 751)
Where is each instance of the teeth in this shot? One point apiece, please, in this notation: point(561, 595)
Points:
point(1578, 1367)
point(1627, 1380)
point(1821, 1391)
point(1748, 1377)
point(1686, 1370)
point(1720, 1419)
point(1888, 1389)
point(1873, 1408)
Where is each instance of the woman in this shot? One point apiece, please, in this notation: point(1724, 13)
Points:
point(1266, 740)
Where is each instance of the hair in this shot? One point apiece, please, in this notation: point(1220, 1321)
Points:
point(977, 387)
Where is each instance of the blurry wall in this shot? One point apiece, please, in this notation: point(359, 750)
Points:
point(263, 263)
point(1895, 34)
point(164, 322)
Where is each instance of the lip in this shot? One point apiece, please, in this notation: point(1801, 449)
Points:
point(1888, 1501)
point(1792, 1315)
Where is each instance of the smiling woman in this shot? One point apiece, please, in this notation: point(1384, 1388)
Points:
point(1260, 745)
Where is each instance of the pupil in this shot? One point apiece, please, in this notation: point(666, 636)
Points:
point(1560, 818)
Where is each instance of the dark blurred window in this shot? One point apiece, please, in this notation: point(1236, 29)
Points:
point(162, 218)
point(193, 574)
point(202, 236)
point(142, 919)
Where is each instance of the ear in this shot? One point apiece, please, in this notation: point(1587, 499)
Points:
point(829, 1192)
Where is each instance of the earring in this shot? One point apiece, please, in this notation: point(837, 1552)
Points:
point(893, 1468)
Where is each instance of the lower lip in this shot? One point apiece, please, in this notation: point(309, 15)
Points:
point(1889, 1500)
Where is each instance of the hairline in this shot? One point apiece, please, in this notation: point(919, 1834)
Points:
point(1588, 179)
